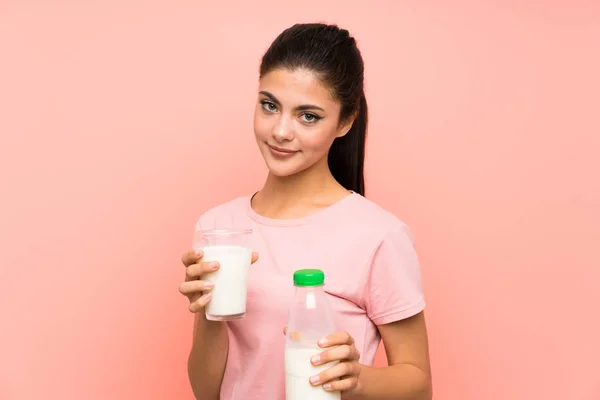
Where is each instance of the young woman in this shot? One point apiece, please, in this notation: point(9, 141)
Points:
point(310, 125)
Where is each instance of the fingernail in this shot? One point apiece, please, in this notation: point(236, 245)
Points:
point(207, 296)
point(323, 342)
point(214, 265)
point(327, 386)
point(314, 380)
point(315, 359)
point(208, 284)
point(198, 252)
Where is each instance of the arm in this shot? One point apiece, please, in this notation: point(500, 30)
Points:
point(210, 346)
point(210, 342)
point(395, 288)
point(408, 376)
point(394, 302)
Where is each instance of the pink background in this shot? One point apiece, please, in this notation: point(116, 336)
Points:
point(117, 120)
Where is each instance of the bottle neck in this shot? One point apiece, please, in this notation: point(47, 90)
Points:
point(309, 289)
point(311, 316)
point(309, 296)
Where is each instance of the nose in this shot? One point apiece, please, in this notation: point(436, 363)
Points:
point(283, 130)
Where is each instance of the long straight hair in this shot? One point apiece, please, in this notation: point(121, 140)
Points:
point(331, 53)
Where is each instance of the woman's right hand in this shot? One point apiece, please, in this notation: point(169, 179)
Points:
point(194, 287)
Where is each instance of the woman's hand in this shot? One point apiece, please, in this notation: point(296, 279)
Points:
point(344, 376)
point(194, 288)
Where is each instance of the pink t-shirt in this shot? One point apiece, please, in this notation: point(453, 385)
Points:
point(372, 276)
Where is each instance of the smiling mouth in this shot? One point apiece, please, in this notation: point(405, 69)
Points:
point(281, 152)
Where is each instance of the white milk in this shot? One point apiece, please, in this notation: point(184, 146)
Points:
point(229, 292)
point(298, 370)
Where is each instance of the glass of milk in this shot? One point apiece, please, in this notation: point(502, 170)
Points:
point(231, 248)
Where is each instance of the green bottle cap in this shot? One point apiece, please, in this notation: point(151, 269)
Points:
point(309, 277)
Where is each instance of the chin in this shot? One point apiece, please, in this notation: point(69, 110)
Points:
point(284, 168)
point(282, 171)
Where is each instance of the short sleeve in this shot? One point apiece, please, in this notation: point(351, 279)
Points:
point(394, 290)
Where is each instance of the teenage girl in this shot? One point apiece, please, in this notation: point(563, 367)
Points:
point(310, 125)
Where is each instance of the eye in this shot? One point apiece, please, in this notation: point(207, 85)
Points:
point(268, 106)
point(310, 118)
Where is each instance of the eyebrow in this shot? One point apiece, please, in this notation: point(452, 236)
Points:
point(303, 107)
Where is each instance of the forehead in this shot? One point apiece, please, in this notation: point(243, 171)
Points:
point(297, 87)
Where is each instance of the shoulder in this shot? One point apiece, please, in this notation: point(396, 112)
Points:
point(221, 212)
point(378, 221)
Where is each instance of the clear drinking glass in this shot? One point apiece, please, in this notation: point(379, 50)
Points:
point(231, 248)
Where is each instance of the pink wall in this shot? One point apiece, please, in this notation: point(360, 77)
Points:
point(485, 138)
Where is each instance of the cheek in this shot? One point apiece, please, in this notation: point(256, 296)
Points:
point(318, 142)
point(261, 128)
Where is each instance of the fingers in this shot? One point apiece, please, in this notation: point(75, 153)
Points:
point(194, 291)
point(339, 353)
point(294, 335)
point(342, 384)
point(330, 378)
point(192, 287)
point(199, 304)
point(196, 271)
point(338, 338)
point(191, 257)
point(343, 376)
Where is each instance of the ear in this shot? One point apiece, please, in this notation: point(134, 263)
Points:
point(345, 126)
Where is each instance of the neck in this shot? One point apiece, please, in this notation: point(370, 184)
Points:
point(299, 194)
point(304, 185)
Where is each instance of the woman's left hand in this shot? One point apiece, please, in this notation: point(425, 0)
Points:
point(344, 376)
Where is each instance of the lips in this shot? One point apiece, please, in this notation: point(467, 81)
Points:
point(281, 153)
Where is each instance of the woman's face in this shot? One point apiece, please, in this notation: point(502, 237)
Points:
point(295, 122)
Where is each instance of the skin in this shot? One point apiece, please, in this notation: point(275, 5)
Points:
point(210, 340)
point(296, 113)
point(301, 184)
